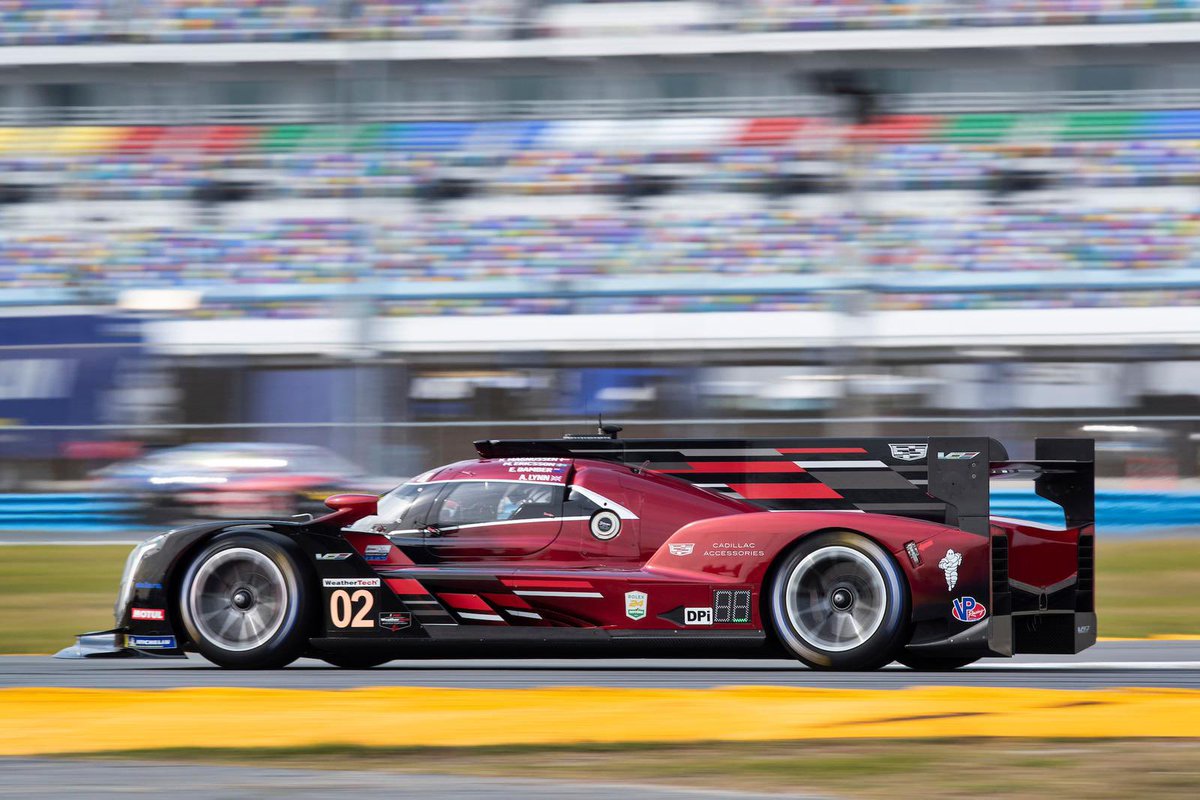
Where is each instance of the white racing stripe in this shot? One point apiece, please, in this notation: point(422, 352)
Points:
point(526, 614)
point(484, 617)
point(539, 593)
point(811, 465)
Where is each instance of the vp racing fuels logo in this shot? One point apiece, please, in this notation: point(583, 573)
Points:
point(968, 609)
point(949, 565)
point(908, 452)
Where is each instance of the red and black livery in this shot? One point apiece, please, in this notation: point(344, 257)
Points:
point(845, 553)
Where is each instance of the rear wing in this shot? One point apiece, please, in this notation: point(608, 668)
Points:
point(940, 478)
point(1063, 471)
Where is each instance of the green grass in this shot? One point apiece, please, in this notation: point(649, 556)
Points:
point(865, 768)
point(48, 594)
point(1148, 587)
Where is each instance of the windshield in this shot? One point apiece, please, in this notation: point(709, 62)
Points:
point(402, 508)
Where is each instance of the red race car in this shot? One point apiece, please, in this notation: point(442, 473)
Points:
point(843, 553)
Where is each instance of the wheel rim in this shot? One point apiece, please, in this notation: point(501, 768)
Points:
point(836, 598)
point(238, 599)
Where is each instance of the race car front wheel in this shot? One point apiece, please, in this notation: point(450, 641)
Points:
point(242, 602)
point(839, 601)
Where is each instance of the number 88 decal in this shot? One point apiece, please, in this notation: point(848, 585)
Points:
point(342, 609)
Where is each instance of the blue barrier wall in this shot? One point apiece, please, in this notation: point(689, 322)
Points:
point(67, 512)
point(1115, 511)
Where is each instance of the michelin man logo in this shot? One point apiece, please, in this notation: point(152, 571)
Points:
point(949, 565)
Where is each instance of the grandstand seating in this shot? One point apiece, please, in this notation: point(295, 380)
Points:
point(56, 21)
point(291, 267)
point(284, 266)
point(42, 22)
point(803, 15)
point(648, 134)
point(1119, 148)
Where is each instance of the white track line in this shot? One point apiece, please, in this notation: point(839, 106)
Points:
point(1068, 665)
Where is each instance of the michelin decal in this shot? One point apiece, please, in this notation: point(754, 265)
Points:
point(949, 565)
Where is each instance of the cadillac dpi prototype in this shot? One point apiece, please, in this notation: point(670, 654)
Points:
point(842, 553)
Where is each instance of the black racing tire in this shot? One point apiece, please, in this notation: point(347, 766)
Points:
point(839, 601)
point(245, 601)
point(924, 663)
point(354, 660)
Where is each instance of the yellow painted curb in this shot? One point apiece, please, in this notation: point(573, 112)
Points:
point(1154, 637)
point(44, 721)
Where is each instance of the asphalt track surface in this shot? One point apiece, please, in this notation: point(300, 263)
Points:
point(1158, 664)
point(44, 778)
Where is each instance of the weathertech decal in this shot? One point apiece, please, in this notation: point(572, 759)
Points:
point(394, 620)
point(348, 583)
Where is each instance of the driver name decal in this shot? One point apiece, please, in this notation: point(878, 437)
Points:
point(543, 470)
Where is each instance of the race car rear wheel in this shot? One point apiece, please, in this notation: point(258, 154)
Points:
point(839, 601)
point(934, 663)
point(243, 604)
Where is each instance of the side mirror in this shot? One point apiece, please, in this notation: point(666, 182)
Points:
point(349, 508)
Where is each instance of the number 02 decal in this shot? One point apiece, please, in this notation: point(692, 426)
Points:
point(341, 607)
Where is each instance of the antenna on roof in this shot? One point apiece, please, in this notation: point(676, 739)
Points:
point(603, 432)
point(609, 430)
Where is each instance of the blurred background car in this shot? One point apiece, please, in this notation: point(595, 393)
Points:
point(233, 480)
